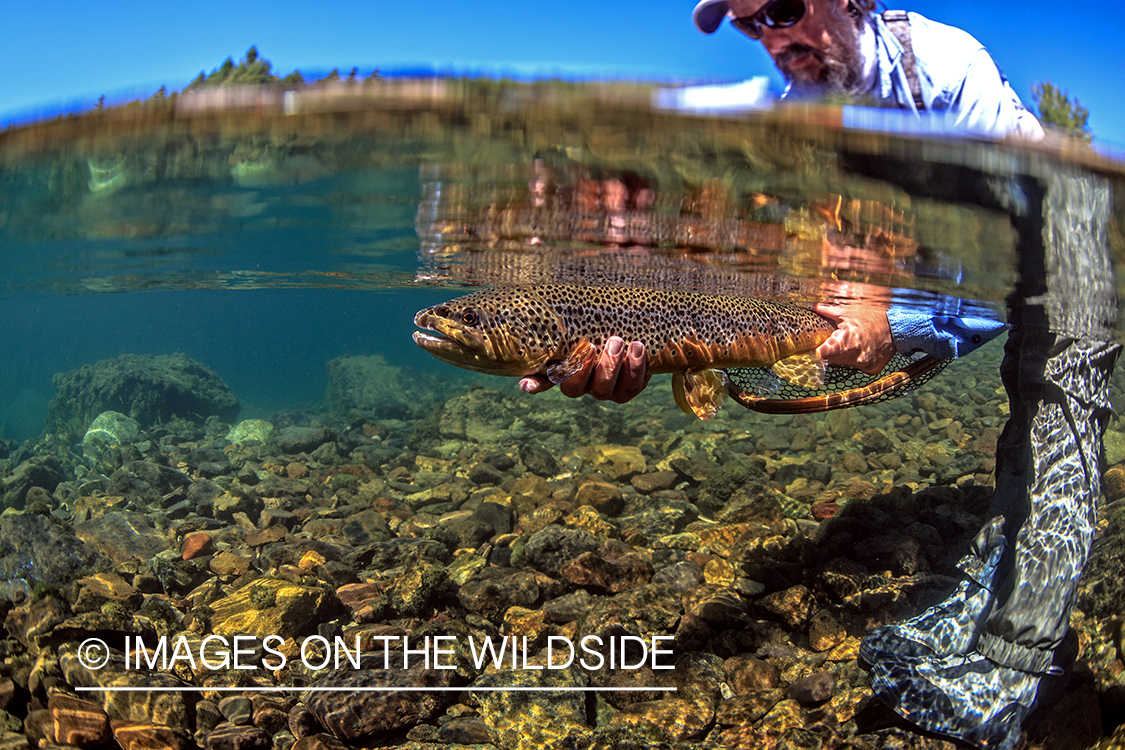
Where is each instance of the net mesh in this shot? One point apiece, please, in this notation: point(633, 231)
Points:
point(759, 389)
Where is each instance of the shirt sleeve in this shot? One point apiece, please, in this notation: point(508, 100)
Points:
point(987, 104)
point(920, 330)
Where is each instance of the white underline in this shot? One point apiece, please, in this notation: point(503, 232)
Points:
point(258, 689)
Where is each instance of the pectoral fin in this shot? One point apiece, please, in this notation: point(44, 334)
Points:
point(699, 392)
point(804, 370)
point(579, 355)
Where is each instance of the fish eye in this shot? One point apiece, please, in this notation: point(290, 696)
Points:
point(469, 318)
point(976, 338)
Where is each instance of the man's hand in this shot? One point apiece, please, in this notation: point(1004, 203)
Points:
point(862, 338)
point(618, 375)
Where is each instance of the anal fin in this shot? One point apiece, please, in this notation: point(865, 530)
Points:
point(805, 370)
point(699, 392)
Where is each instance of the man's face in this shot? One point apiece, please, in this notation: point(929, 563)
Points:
point(822, 49)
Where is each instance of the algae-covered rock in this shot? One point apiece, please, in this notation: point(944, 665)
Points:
point(146, 388)
point(496, 418)
point(38, 471)
point(109, 430)
point(34, 549)
point(724, 479)
point(354, 713)
point(370, 384)
point(294, 610)
point(250, 430)
point(1114, 443)
point(525, 720)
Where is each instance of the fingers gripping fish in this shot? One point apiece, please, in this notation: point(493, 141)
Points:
point(555, 329)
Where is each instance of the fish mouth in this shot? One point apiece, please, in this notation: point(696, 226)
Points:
point(463, 348)
point(442, 338)
point(435, 342)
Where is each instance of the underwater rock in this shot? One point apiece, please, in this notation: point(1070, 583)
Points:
point(228, 736)
point(363, 715)
point(148, 389)
point(677, 719)
point(97, 590)
point(145, 481)
point(416, 590)
point(655, 516)
point(35, 549)
point(682, 576)
point(618, 462)
point(167, 708)
point(292, 440)
point(495, 418)
point(108, 431)
point(498, 517)
point(749, 675)
point(39, 471)
point(315, 742)
point(225, 506)
point(237, 709)
point(370, 385)
point(1102, 592)
point(825, 632)
point(537, 459)
point(483, 474)
point(78, 722)
point(198, 544)
point(123, 536)
point(493, 590)
point(603, 496)
point(529, 720)
point(1113, 483)
point(646, 484)
point(145, 735)
point(816, 688)
point(568, 607)
point(1114, 444)
point(250, 430)
point(793, 605)
point(35, 618)
point(271, 606)
point(465, 730)
point(553, 546)
point(652, 608)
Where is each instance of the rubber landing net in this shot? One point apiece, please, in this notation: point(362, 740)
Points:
point(759, 389)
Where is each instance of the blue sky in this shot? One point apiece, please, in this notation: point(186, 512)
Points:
point(58, 54)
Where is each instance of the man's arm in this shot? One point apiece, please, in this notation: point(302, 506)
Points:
point(987, 104)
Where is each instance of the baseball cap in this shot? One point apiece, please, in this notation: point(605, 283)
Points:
point(709, 14)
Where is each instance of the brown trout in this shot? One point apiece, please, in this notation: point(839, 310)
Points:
point(554, 329)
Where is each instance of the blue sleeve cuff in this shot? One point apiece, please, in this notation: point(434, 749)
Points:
point(916, 330)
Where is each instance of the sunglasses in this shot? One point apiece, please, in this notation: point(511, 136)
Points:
point(776, 14)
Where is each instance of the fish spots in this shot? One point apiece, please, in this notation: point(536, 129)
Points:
point(679, 329)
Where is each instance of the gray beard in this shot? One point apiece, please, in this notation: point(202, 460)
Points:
point(842, 63)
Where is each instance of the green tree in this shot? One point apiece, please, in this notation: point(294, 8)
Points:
point(1058, 112)
point(253, 68)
